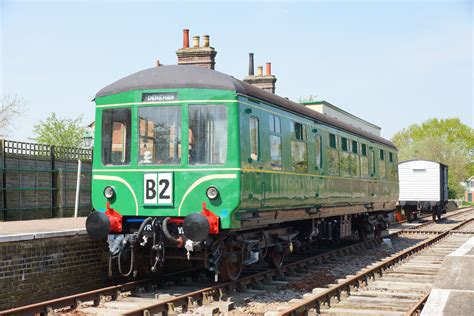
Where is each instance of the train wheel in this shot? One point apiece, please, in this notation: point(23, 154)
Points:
point(230, 267)
point(275, 258)
point(230, 271)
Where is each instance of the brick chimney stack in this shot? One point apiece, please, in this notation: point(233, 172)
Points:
point(202, 56)
point(265, 82)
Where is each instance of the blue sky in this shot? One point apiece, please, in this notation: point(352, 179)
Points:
point(391, 63)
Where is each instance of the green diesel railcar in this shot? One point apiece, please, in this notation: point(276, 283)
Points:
point(224, 174)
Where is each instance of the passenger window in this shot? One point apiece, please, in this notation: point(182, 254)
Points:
point(344, 144)
point(333, 161)
point(372, 157)
point(299, 156)
point(382, 166)
point(116, 136)
point(345, 163)
point(299, 148)
point(208, 131)
point(275, 152)
point(254, 137)
point(355, 147)
point(332, 141)
point(274, 122)
point(299, 131)
point(160, 135)
point(364, 161)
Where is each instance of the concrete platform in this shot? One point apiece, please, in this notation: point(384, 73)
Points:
point(42, 228)
point(453, 290)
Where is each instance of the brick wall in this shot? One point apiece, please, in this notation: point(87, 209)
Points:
point(40, 269)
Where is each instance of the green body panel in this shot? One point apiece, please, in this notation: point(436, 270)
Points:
point(189, 182)
point(243, 184)
point(264, 188)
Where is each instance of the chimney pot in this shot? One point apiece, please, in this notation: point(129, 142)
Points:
point(260, 71)
point(185, 38)
point(269, 69)
point(195, 41)
point(195, 55)
point(251, 66)
point(205, 39)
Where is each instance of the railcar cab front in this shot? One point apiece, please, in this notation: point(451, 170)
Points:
point(165, 174)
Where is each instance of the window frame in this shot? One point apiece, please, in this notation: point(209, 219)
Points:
point(127, 144)
point(356, 147)
point(301, 137)
point(180, 133)
point(344, 143)
point(319, 138)
point(332, 137)
point(276, 133)
point(363, 150)
point(189, 107)
point(257, 138)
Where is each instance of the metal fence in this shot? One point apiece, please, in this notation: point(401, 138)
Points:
point(39, 181)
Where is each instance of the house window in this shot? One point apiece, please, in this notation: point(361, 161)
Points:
point(363, 149)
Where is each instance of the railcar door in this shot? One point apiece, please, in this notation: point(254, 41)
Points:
point(373, 174)
point(318, 165)
point(253, 179)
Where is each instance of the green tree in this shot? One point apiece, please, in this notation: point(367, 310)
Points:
point(447, 140)
point(59, 131)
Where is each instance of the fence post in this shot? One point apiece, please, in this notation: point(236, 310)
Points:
point(78, 186)
point(4, 192)
point(61, 192)
point(54, 184)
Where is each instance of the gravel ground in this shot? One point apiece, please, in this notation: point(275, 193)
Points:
point(332, 270)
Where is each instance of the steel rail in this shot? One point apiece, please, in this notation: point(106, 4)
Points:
point(363, 277)
point(217, 291)
point(461, 212)
point(75, 299)
point(416, 309)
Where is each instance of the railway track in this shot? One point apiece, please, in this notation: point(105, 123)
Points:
point(250, 295)
point(398, 285)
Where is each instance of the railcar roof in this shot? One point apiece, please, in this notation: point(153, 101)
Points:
point(427, 160)
point(172, 77)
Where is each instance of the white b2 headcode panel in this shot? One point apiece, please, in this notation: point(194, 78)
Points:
point(158, 188)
